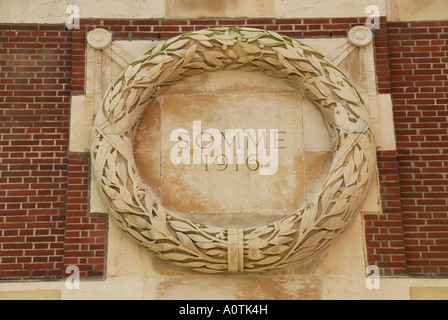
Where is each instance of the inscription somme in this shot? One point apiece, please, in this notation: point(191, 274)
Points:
point(257, 150)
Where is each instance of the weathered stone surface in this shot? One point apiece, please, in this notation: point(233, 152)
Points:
point(219, 8)
point(236, 194)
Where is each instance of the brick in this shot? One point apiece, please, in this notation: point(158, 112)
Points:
point(165, 28)
point(316, 21)
point(348, 20)
point(144, 35)
point(114, 22)
point(288, 21)
point(336, 26)
point(173, 22)
point(260, 21)
point(423, 24)
point(145, 22)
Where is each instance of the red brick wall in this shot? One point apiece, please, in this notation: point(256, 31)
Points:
point(45, 222)
point(85, 233)
point(384, 233)
point(35, 84)
point(419, 80)
point(411, 237)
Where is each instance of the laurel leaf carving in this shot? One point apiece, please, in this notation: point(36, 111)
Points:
point(137, 222)
point(205, 248)
point(177, 44)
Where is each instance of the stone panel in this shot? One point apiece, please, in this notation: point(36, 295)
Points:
point(219, 8)
point(429, 293)
point(417, 10)
point(234, 100)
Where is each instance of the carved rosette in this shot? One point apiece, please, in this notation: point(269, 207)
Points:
point(211, 249)
point(360, 36)
point(99, 38)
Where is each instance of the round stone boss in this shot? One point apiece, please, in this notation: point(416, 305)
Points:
point(298, 236)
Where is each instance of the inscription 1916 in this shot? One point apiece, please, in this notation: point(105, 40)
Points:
point(256, 150)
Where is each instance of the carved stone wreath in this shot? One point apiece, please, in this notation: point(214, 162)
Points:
point(211, 249)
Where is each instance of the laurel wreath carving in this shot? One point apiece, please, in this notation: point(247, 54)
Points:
point(209, 249)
